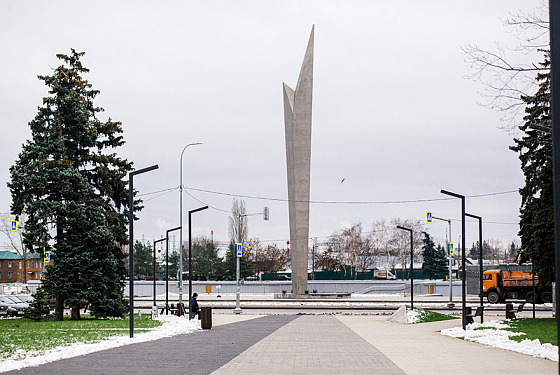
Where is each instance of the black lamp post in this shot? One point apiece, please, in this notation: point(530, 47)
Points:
point(155, 241)
point(463, 257)
point(554, 21)
point(411, 267)
point(167, 268)
point(481, 279)
point(131, 242)
point(190, 258)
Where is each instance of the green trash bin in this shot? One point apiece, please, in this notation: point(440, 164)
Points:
point(206, 318)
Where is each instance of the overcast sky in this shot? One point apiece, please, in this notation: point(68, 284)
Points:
point(393, 114)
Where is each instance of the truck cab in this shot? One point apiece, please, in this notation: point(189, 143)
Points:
point(491, 279)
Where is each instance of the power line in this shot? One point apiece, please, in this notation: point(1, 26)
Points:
point(346, 202)
point(199, 201)
point(159, 191)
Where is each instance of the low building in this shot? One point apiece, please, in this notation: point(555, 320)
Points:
point(12, 267)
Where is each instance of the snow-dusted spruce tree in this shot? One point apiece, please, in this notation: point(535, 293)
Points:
point(75, 195)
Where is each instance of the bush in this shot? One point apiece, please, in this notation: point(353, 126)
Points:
point(39, 309)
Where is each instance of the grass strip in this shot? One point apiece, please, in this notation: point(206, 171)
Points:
point(543, 329)
point(22, 336)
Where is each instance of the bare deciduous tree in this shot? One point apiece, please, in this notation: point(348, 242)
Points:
point(350, 247)
point(238, 222)
point(380, 240)
point(400, 240)
point(504, 80)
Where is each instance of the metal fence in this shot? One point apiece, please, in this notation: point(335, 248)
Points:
point(145, 288)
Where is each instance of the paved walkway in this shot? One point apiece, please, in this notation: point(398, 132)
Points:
point(305, 344)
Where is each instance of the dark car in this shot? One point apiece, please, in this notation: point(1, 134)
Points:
point(3, 309)
point(15, 305)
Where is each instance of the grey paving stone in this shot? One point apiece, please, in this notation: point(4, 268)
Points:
point(201, 352)
point(312, 345)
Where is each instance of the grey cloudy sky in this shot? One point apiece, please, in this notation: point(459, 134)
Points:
point(393, 114)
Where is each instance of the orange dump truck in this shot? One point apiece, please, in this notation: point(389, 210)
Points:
point(499, 286)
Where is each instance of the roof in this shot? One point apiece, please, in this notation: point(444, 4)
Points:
point(11, 255)
point(8, 255)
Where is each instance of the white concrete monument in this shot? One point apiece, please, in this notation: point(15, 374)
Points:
point(297, 119)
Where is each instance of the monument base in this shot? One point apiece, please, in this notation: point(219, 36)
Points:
point(312, 295)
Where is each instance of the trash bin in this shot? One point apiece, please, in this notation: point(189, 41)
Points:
point(206, 317)
point(509, 307)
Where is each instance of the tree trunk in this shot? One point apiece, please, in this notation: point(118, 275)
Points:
point(75, 313)
point(59, 309)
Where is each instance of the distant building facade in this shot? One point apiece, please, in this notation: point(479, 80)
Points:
point(12, 267)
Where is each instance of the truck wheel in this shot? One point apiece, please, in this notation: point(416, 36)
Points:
point(547, 297)
point(493, 297)
point(529, 297)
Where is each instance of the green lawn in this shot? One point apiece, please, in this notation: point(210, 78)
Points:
point(22, 335)
point(543, 329)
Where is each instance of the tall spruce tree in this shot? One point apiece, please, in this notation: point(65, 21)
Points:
point(208, 264)
point(143, 259)
point(434, 263)
point(536, 225)
point(65, 179)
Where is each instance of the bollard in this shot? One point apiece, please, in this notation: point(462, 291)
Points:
point(180, 311)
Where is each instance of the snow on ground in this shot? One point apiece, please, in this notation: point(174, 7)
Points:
point(413, 316)
point(171, 326)
point(496, 337)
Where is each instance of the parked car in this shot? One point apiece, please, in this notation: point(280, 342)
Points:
point(15, 305)
point(3, 309)
point(27, 298)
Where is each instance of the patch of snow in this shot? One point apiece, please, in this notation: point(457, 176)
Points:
point(171, 326)
point(413, 316)
point(496, 337)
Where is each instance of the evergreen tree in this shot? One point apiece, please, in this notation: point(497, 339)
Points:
point(230, 264)
point(143, 259)
point(473, 251)
point(208, 264)
point(174, 264)
point(39, 309)
point(65, 178)
point(442, 263)
point(536, 226)
point(434, 259)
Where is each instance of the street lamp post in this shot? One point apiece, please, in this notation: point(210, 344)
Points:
point(463, 256)
point(181, 224)
point(131, 242)
point(481, 268)
point(411, 266)
point(155, 241)
point(190, 259)
point(554, 22)
point(167, 268)
point(450, 304)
